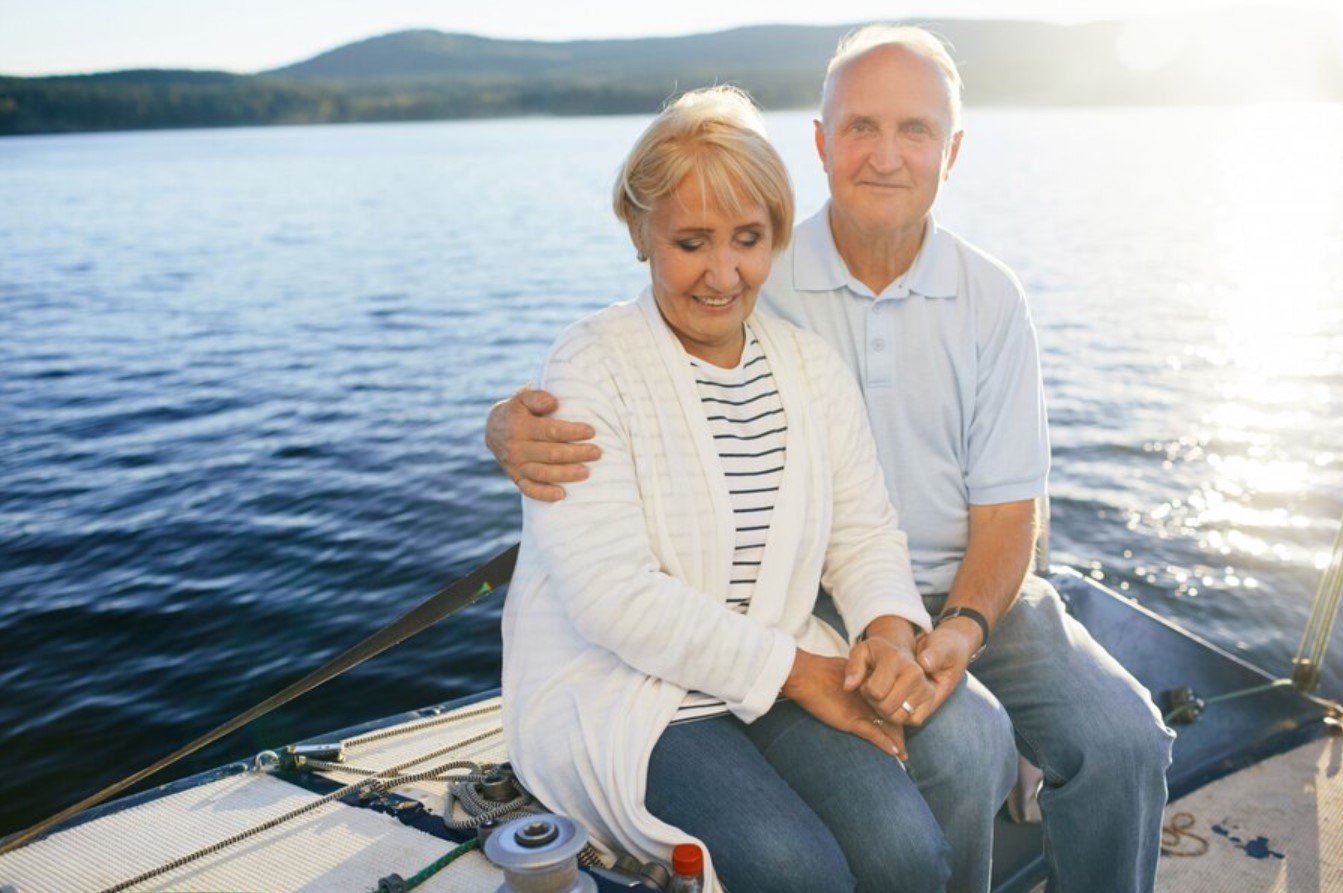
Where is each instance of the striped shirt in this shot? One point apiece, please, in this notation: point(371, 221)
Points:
point(747, 422)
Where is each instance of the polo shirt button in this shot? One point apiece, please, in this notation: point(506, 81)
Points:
point(878, 344)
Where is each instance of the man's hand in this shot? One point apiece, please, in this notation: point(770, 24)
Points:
point(883, 669)
point(816, 684)
point(944, 654)
point(538, 453)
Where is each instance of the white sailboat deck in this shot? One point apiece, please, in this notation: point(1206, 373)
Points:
point(335, 848)
point(1275, 827)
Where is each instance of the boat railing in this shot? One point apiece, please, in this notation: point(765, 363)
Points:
point(1309, 660)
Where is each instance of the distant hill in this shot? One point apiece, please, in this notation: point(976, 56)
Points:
point(1247, 55)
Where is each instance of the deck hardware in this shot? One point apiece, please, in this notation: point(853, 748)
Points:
point(332, 752)
point(656, 875)
point(266, 761)
point(393, 883)
point(485, 829)
point(1182, 706)
point(497, 787)
point(536, 834)
point(628, 873)
point(540, 853)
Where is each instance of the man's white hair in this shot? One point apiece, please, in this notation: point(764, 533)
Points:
point(913, 38)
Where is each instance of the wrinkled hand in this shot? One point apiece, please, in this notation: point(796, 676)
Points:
point(886, 673)
point(816, 684)
point(538, 453)
point(944, 655)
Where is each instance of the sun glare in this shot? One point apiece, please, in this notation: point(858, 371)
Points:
point(1278, 239)
point(1277, 313)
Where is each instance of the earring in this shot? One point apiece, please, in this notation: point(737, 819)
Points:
point(641, 257)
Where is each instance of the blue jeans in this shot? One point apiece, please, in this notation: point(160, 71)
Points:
point(789, 805)
point(1090, 727)
point(964, 762)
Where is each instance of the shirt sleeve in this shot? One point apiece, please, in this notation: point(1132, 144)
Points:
point(1008, 436)
point(597, 548)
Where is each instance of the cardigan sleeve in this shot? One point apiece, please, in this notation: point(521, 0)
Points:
point(597, 549)
point(867, 564)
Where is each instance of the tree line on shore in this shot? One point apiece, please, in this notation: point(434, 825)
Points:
point(431, 75)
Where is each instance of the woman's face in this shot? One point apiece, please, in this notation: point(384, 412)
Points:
point(707, 267)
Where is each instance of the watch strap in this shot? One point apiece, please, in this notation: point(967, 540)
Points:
point(970, 614)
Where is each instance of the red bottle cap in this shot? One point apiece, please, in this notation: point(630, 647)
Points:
point(687, 859)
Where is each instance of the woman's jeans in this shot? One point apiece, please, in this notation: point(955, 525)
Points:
point(789, 804)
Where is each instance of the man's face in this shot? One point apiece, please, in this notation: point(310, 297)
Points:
point(886, 140)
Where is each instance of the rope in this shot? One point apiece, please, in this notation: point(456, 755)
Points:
point(438, 865)
point(230, 841)
point(1178, 829)
point(1315, 641)
point(382, 782)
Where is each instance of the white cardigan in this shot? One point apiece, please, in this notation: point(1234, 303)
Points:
point(617, 607)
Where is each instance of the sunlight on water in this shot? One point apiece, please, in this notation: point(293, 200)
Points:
point(1272, 288)
point(252, 367)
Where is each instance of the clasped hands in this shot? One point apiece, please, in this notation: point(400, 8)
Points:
point(891, 679)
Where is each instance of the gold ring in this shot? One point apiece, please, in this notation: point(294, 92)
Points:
point(907, 707)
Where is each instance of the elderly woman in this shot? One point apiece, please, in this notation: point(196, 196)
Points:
point(664, 679)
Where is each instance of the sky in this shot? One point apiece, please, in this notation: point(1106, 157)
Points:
point(40, 37)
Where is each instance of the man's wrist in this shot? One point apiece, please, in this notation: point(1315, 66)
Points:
point(974, 617)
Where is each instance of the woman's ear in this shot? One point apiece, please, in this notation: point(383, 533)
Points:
point(636, 236)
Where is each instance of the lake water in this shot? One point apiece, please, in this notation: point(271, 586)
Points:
point(244, 374)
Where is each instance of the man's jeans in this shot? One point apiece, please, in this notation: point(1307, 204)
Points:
point(1090, 727)
point(789, 804)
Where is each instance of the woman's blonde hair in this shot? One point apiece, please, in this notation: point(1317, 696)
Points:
point(718, 133)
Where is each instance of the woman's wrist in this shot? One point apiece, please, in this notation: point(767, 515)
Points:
point(893, 628)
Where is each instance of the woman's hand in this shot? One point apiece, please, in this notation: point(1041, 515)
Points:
point(885, 670)
point(816, 684)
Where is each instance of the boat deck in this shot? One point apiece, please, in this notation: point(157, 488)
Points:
point(1258, 798)
point(1274, 827)
point(335, 847)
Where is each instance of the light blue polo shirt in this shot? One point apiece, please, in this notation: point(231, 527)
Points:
point(950, 372)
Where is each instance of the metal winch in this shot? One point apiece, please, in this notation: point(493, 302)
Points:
point(539, 854)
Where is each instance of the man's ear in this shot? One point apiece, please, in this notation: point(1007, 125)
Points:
point(953, 153)
point(820, 141)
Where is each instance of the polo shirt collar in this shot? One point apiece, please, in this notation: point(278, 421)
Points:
point(817, 265)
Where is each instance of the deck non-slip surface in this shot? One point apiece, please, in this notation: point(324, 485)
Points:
point(333, 849)
point(1275, 827)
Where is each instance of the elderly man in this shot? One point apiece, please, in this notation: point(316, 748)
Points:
point(940, 338)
